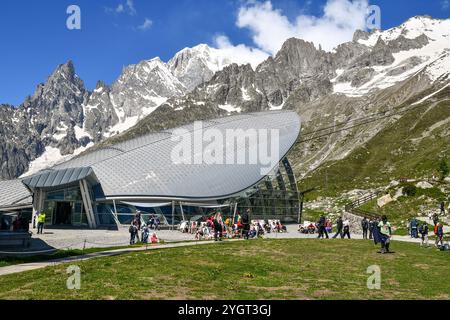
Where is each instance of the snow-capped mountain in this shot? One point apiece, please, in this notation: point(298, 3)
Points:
point(63, 118)
point(375, 72)
point(421, 43)
point(193, 66)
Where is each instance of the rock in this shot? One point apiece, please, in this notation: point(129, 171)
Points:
point(394, 183)
point(424, 185)
point(384, 200)
point(398, 193)
point(354, 222)
point(360, 35)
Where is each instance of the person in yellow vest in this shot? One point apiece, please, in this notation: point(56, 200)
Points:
point(41, 221)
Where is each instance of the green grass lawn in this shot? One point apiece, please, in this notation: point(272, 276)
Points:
point(259, 269)
point(9, 260)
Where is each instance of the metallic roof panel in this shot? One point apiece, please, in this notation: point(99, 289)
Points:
point(143, 166)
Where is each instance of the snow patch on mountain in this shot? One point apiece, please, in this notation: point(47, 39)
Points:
point(51, 157)
point(433, 58)
point(230, 108)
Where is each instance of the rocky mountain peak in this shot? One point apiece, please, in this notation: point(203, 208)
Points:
point(100, 84)
point(360, 35)
point(193, 66)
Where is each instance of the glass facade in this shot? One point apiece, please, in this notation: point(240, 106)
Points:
point(274, 197)
point(65, 207)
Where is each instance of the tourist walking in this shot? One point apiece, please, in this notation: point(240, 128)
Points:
point(385, 232)
point(41, 222)
point(442, 208)
point(423, 230)
point(137, 223)
point(321, 226)
point(365, 227)
point(245, 220)
point(339, 226)
point(414, 226)
point(372, 225)
point(218, 227)
point(439, 232)
point(346, 232)
point(435, 219)
point(133, 232)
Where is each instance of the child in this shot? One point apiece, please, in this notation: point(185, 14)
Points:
point(154, 238)
point(145, 234)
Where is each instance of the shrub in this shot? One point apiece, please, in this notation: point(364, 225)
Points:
point(443, 169)
point(410, 190)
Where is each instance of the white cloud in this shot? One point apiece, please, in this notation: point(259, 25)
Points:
point(120, 8)
point(131, 10)
point(127, 7)
point(445, 4)
point(146, 25)
point(270, 28)
point(241, 54)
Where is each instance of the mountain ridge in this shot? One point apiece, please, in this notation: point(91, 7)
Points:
point(357, 77)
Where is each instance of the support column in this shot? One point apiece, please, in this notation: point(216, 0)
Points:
point(116, 217)
point(38, 204)
point(234, 212)
point(87, 201)
point(294, 186)
point(182, 212)
point(173, 215)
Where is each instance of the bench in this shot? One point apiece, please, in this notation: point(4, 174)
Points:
point(15, 239)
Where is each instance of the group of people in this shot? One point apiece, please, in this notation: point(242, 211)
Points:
point(368, 226)
point(242, 226)
point(377, 229)
point(136, 226)
point(324, 226)
point(19, 224)
point(415, 228)
point(215, 227)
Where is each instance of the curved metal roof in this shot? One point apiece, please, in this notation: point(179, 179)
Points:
point(13, 194)
point(143, 167)
point(54, 178)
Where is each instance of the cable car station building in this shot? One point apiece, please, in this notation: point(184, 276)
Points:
point(106, 187)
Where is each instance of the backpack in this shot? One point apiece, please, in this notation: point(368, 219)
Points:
point(131, 229)
point(421, 228)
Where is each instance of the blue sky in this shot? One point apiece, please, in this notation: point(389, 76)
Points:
point(34, 37)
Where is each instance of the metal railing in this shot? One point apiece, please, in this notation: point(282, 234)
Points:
point(354, 206)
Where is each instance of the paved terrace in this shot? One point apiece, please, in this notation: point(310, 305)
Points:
point(87, 238)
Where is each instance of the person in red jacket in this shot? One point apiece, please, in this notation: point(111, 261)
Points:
point(439, 232)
